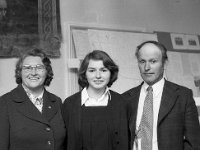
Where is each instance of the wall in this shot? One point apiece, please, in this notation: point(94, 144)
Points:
point(180, 16)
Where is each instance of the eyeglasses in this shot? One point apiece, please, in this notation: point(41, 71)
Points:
point(29, 68)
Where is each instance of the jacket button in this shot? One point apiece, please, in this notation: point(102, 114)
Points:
point(117, 142)
point(49, 142)
point(48, 129)
point(116, 132)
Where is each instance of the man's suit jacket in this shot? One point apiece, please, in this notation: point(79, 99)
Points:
point(23, 127)
point(178, 125)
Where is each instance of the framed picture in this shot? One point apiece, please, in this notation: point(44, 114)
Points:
point(193, 42)
point(185, 42)
point(29, 23)
point(178, 41)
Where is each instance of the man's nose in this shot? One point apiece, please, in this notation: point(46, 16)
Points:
point(147, 66)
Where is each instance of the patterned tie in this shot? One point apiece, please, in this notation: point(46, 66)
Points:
point(39, 101)
point(146, 125)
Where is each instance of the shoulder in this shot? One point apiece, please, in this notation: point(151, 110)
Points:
point(114, 93)
point(52, 99)
point(7, 99)
point(177, 87)
point(181, 93)
point(71, 103)
point(53, 96)
point(73, 98)
point(8, 96)
point(117, 98)
point(131, 92)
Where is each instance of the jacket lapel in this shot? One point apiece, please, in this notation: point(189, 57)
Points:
point(25, 106)
point(134, 99)
point(168, 100)
point(50, 106)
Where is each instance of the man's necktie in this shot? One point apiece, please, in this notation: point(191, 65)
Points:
point(146, 125)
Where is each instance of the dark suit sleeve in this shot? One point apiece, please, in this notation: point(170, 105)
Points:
point(192, 127)
point(4, 125)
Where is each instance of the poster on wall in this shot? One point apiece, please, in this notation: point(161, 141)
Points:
point(178, 41)
point(193, 42)
point(185, 42)
point(29, 23)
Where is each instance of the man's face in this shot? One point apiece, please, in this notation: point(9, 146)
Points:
point(150, 63)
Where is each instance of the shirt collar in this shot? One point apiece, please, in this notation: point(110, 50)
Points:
point(31, 96)
point(157, 87)
point(85, 97)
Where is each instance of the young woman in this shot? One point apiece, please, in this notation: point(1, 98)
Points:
point(96, 116)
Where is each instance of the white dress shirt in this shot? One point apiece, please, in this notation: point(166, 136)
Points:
point(88, 101)
point(157, 93)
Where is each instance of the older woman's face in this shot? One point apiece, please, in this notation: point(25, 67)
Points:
point(33, 73)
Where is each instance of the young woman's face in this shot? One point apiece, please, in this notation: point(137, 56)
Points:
point(98, 76)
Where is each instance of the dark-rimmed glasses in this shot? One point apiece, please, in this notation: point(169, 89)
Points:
point(29, 68)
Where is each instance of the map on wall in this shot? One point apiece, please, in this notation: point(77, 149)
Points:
point(120, 46)
point(182, 68)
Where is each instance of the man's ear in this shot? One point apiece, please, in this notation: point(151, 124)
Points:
point(165, 65)
point(165, 68)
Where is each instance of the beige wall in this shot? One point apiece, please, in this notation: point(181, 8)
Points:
point(180, 16)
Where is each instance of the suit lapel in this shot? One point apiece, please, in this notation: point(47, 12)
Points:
point(50, 106)
point(26, 107)
point(134, 99)
point(168, 100)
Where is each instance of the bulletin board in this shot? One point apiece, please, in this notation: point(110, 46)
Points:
point(119, 44)
point(182, 68)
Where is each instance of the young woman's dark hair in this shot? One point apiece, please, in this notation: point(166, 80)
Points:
point(107, 62)
point(46, 61)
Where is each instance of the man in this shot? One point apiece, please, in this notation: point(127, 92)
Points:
point(175, 124)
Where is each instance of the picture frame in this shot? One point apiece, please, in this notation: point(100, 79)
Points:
point(193, 42)
point(29, 23)
point(187, 42)
point(178, 41)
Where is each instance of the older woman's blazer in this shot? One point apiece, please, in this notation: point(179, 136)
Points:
point(23, 127)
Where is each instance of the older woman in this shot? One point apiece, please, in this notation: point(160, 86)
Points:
point(96, 116)
point(30, 116)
